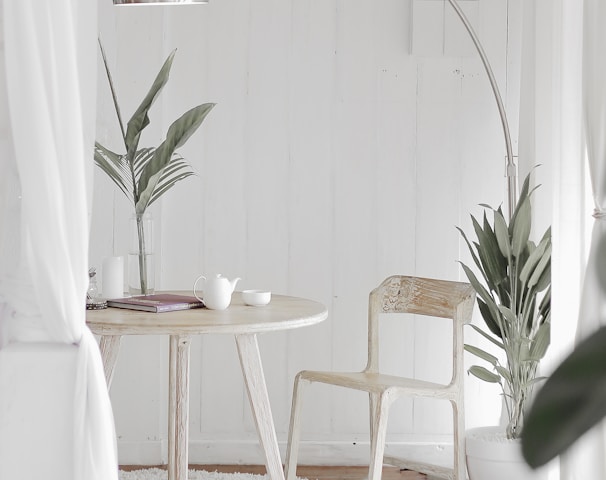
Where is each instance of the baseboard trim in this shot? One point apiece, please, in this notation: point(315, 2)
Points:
point(151, 452)
point(249, 452)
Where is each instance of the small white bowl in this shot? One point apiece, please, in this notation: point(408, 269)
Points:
point(256, 298)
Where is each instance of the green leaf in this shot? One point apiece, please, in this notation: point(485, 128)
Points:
point(116, 167)
point(140, 118)
point(493, 262)
point(174, 172)
point(504, 373)
point(164, 187)
point(521, 228)
point(523, 353)
point(521, 199)
point(144, 175)
point(141, 158)
point(507, 314)
point(488, 337)
point(178, 133)
point(112, 89)
point(476, 260)
point(484, 374)
point(502, 233)
point(543, 265)
point(481, 291)
point(482, 354)
point(571, 401)
point(545, 305)
point(491, 317)
point(541, 342)
point(532, 261)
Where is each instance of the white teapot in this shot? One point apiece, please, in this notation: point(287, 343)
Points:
point(217, 291)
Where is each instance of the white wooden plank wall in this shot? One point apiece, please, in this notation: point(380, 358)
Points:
point(349, 139)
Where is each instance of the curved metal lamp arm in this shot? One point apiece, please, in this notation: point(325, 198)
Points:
point(511, 171)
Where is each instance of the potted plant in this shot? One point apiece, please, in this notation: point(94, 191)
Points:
point(514, 298)
point(145, 174)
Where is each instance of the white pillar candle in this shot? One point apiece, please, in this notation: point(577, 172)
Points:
point(113, 277)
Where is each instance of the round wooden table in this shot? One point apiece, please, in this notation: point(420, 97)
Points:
point(240, 320)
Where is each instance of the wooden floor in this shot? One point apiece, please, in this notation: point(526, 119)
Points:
point(309, 472)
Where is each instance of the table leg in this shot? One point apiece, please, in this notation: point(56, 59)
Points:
point(252, 370)
point(109, 345)
point(178, 407)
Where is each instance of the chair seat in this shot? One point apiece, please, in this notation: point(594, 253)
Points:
point(378, 382)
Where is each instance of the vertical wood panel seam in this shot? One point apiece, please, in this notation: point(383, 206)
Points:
point(247, 194)
point(419, 69)
point(289, 218)
point(445, 6)
point(333, 196)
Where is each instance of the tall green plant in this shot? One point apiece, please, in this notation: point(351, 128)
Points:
point(145, 174)
point(514, 299)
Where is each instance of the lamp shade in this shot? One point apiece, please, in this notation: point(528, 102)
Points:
point(158, 2)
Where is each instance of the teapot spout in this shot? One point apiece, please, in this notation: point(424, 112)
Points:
point(233, 283)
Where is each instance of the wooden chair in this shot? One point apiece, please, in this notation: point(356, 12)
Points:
point(399, 294)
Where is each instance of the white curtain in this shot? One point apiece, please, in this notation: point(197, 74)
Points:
point(587, 459)
point(576, 114)
point(551, 136)
point(594, 107)
point(551, 133)
point(50, 57)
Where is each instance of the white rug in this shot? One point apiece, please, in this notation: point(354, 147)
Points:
point(159, 474)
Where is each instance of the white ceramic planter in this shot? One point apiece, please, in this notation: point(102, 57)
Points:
point(490, 456)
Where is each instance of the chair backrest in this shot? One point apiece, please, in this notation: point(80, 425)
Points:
point(421, 296)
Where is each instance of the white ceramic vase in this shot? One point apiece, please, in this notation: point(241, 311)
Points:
point(491, 456)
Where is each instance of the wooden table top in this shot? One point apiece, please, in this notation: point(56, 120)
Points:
point(282, 313)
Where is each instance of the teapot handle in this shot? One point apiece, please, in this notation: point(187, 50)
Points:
point(195, 284)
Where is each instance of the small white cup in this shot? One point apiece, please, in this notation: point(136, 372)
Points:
point(256, 298)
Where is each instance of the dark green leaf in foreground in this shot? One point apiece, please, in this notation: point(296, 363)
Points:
point(572, 400)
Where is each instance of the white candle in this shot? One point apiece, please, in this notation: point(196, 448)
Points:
point(113, 277)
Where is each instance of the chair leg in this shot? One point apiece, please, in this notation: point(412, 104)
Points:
point(459, 464)
point(294, 430)
point(379, 410)
point(373, 400)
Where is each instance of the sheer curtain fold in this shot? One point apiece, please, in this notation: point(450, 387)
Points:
point(593, 305)
point(568, 97)
point(48, 50)
point(582, 125)
point(586, 459)
point(594, 106)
